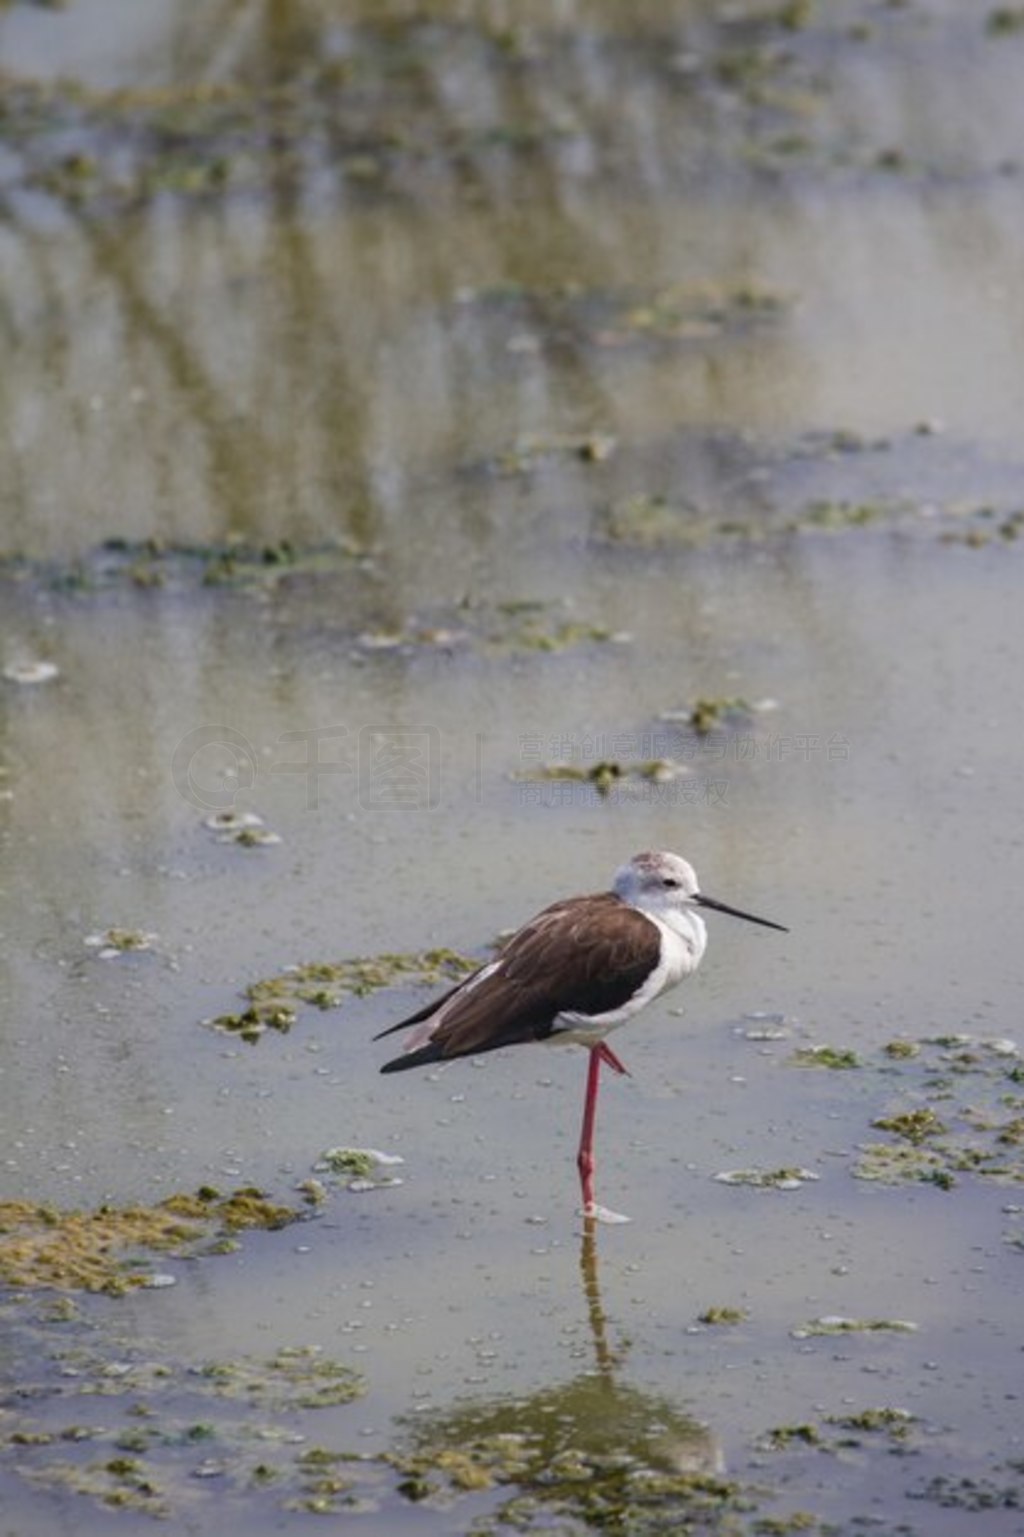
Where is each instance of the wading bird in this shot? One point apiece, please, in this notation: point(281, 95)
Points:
point(576, 971)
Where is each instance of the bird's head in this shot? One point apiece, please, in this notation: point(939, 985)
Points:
point(665, 883)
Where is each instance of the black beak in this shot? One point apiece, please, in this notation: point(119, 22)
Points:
point(734, 912)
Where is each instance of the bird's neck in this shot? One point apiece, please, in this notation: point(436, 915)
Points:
point(685, 923)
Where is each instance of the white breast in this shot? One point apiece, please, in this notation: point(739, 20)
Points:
point(683, 938)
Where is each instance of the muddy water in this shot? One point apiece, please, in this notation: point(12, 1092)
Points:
point(391, 411)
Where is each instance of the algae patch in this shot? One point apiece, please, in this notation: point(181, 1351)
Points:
point(788, 1178)
point(590, 1453)
point(722, 1316)
point(174, 1435)
point(273, 1002)
point(838, 1058)
point(359, 1168)
point(608, 774)
point(114, 942)
point(961, 1112)
point(834, 1323)
point(109, 1249)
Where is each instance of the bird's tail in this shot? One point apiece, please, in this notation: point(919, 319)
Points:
point(419, 1057)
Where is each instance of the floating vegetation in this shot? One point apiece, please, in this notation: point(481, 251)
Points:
point(520, 625)
point(707, 715)
point(834, 1323)
point(358, 1168)
point(767, 1179)
point(915, 1126)
point(559, 637)
point(976, 1495)
point(156, 564)
point(172, 1434)
point(901, 1050)
point(896, 1425)
point(114, 942)
point(273, 1003)
point(608, 774)
point(892, 1422)
point(966, 1115)
point(108, 1250)
point(717, 1316)
point(588, 1454)
point(781, 1437)
point(836, 1058)
point(713, 713)
point(839, 515)
point(244, 828)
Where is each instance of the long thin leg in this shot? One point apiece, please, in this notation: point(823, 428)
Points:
point(585, 1157)
point(606, 1054)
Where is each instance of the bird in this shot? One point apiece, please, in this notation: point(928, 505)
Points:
point(578, 970)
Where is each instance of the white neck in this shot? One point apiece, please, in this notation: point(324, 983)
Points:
point(685, 922)
point(689, 925)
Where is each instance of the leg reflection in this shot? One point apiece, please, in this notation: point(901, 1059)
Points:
point(606, 1358)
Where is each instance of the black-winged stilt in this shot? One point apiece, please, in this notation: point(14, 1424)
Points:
point(576, 971)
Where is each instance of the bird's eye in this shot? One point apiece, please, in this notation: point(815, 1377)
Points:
point(670, 882)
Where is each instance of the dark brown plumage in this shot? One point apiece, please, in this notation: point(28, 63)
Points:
point(585, 955)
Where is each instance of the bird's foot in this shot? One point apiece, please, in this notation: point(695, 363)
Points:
point(594, 1213)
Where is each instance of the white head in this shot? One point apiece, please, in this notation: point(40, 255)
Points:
point(665, 883)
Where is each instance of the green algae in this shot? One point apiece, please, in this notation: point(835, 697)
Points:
point(722, 1316)
point(835, 1058)
point(116, 941)
point(606, 774)
point(834, 1324)
point(779, 1437)
point(709, 714)
point(152, 1455)
point(901, 1050)
point(358, 1168)
point(590, 1452)
point(915, 1126)
point(160, 565)
point(274, 1001)
point(518, 627)
point(896, 1423)
point(980, 1130)
point(108, 1249)
point(789, 1177)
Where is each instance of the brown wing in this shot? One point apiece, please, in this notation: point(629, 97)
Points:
point(588, 955)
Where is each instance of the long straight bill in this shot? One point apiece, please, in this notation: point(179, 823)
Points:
point(734, 912)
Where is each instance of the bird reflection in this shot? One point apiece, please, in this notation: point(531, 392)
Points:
point(580, 1449)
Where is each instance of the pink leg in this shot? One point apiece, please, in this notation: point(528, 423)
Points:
point(607, 1055)
point(585, 1158)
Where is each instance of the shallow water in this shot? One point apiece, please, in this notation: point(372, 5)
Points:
point(463, 452)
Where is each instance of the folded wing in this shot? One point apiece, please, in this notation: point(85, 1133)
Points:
point(585, 956)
